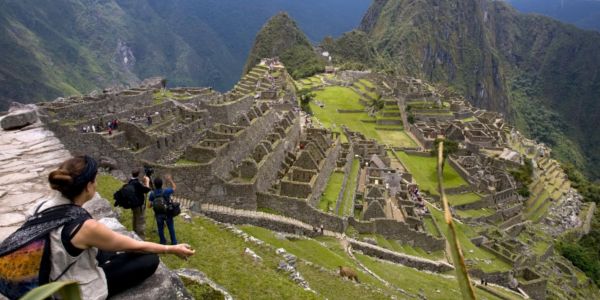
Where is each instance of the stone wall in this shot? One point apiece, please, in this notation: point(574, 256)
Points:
point(461, 171)
point(300, 209)
point(94, 145)
point(326, 168)
point(270, 221)
point(587, 219)
point(347, 167)
point(270, 165)
point(403, 259)
point(244, 143)
point(500, 278)
point(396, 230)
point(533, 284)
point(228, 112)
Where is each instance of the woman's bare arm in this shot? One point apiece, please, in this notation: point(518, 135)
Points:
point(95, 234)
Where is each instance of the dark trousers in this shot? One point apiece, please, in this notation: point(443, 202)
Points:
point(161, 219)
point(126, 270)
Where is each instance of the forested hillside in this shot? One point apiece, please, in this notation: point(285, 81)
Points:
point(63, 47)
point(581, 13)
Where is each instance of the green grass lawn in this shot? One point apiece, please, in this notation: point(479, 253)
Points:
point(424, 171)
point(332, 191)
point(326, 252)
point(366, 83)
point(465, 198)
point(470, 251)
point(362, 88)
point(434, 286)
point(335, 98)
point(430, 227)
point(475, 213)
point(403, 248)
point(535, 202)
point(348, 200)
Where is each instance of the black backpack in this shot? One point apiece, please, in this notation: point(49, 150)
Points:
point(126, 196)
point(25, 254)
point(160, 204)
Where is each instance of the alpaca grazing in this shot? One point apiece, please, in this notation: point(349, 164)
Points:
point(348, 272)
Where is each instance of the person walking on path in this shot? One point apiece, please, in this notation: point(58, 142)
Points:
point(141, 189)
point(159, 199)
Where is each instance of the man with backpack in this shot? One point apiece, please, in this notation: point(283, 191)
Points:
point(160, 201)
point(138, 208)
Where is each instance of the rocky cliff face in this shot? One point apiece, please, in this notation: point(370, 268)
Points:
point(541, 73)
point(441, 41)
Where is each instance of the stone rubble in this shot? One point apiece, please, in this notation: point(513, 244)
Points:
point(564, 215)
point(253, 255)
point(288, 265)
point(201, 278)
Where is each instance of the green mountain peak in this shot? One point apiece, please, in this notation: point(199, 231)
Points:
point(281, 37)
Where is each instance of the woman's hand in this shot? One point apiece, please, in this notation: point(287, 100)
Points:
point(181, 250)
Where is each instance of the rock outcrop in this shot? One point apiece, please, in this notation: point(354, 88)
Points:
point(18, 117)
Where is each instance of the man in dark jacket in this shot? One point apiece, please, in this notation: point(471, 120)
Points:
point(141, 188)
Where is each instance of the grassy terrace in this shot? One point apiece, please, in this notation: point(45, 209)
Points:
point(334, 98)
point(329, 197)
point(430, 227)
point(434, 286)
point(362, 86)
point(325, 252)
point(475, 213)
point(348, 200)
point(471, 252)
point(537, 205)
point(460, 199)
point(402, 248)
point(423, 170)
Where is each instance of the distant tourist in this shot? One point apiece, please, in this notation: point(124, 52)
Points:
point(149, 120)
point(141, 189)
point(87, 253)
point(159, 200)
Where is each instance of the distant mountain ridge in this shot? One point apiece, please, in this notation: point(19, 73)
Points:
point(581, 13)
point(64, 47)
point(541, 73)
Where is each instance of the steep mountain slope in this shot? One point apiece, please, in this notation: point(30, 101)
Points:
point(581, 13)
point(281, 37)
point(62, 47)
point(68, 46)
point(540, 72)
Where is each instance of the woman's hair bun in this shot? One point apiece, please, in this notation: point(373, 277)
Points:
point(60, 180)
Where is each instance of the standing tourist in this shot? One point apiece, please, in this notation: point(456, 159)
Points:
point(159, 200)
